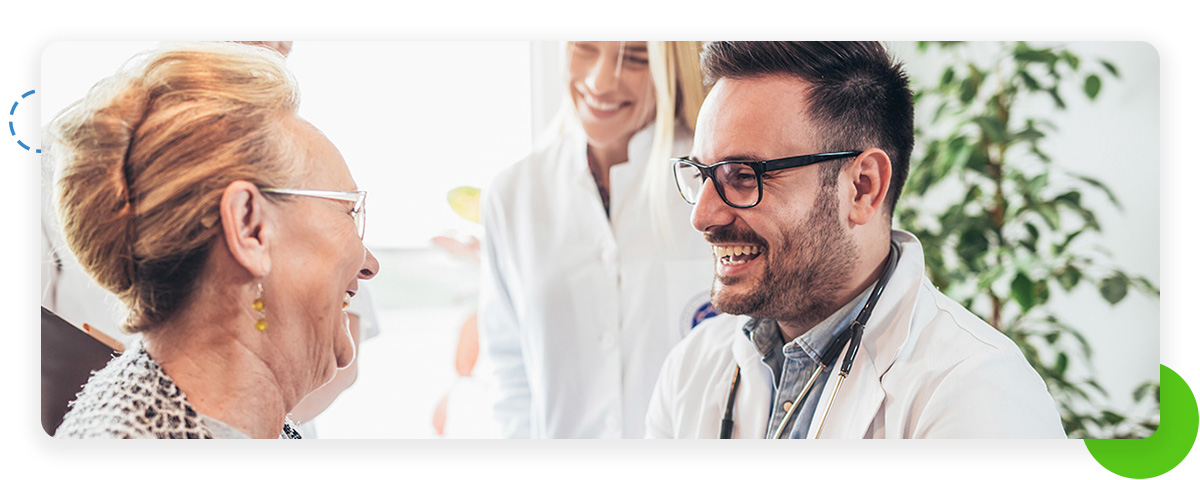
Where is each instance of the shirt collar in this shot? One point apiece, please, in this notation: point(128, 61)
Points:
point(639, 146)
point(764, 334)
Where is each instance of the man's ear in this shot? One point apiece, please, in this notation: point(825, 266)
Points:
point(247, 233)
point(871, 173)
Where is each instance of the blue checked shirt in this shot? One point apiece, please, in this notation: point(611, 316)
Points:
point(792, 364)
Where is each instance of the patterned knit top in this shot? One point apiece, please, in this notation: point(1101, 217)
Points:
point(132, 397)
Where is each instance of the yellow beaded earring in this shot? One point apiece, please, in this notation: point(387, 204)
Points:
point(260, 307)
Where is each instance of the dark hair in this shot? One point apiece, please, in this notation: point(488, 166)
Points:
point(859, 97)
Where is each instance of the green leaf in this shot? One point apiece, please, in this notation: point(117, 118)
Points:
point(1030, 133)
point(1083, 343)
point(989, 276)
point(1022, 291)
point(1049, 213)
point(1091, 86)
point(955, 153)
point(1037, 152)
point(969, 88)
point(1112, 417)
point(1058, 101)
point(1069, 277)
point(1041, 292)
point(947, 77)
point(1035, 186)
point(941, 110)
point(1111, 68)
point(1093, 384)
point(1102, 187)
point(1072, 60)
point(993, 128)
point(1114, 288)
point(1061, 363)
point(1140, 392)
point(1033, 232)
point(1146, 286)
point(1052, 337)
point(1025, 54)
point(972, 245)
point(979, 159)
point(1062, 247)
point(1030, 82)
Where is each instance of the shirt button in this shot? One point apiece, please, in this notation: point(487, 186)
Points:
point(787, 406)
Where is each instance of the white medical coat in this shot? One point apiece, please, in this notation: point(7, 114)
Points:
point(927, 368)
point(578, 311)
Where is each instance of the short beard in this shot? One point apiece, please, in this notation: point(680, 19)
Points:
point(804, 274)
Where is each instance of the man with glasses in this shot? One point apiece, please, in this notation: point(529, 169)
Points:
point(830, 328)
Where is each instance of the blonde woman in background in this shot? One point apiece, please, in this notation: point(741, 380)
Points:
point(231, 229)
point(590, 272)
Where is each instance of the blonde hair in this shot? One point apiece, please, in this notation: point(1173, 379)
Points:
point(144, 158)
point(679, 90)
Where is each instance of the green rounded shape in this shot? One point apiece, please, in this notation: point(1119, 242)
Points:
point(1158, 453)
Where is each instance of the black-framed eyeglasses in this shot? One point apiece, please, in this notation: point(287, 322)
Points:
point(738, 182)
point(357, 197)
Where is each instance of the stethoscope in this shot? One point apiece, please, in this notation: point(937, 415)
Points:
point(852, 335)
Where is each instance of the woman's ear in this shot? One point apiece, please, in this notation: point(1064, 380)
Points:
point(246, 231)
point(872, 176)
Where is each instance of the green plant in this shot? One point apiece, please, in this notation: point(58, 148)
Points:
point(1009, 238)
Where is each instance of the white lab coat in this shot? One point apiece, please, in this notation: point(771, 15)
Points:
point(927, 368)
point(578, 311)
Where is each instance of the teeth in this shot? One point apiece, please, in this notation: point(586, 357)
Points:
point(726, 254)
point(346, 301)
point(598, 105)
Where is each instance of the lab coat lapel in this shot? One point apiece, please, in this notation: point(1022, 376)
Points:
point(625, 180)
point(859, 398)
point(862, 394)
point(752, 409)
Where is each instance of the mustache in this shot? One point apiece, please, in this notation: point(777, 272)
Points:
point(731, 234)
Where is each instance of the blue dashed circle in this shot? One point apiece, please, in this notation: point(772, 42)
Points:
point(12, 129)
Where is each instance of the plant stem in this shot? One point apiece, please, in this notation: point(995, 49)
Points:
point(996, 150)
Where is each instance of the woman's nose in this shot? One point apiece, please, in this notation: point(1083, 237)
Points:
point(604, 75)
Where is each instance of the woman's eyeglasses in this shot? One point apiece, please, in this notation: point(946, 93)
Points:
point(357, 197)
point(738, 182)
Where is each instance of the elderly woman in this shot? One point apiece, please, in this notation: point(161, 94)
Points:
point(229, 226)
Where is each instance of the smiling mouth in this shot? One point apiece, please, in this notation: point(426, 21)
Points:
point(601, 106)
point(346, 299)
point(737, 254)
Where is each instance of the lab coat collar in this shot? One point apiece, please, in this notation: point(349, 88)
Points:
point(639, 150)
point(885, 334)
point(627, 182)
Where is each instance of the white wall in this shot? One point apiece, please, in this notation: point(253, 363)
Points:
point(412, 119)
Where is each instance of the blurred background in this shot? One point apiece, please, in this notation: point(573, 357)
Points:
point(418, 120)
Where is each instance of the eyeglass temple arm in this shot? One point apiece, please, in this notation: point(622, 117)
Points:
point(805, 160)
